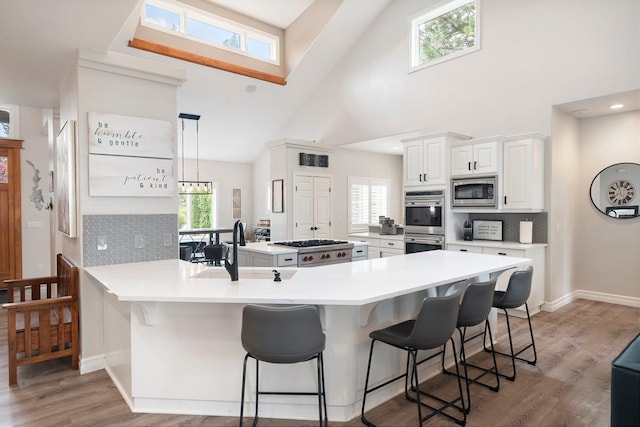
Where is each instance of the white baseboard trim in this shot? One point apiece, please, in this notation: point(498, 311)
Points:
point(610, 298)
point(593, 296)
point(91, 364)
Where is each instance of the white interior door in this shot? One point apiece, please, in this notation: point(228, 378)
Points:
point(321, 207)
point(312, 207)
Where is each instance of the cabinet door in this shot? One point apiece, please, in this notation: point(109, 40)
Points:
point(260, 260)
point(485, 157)
point(434, 161)
point(303, 208)
point(523, 174)
point(413, 159)
point(321, 207)
point(461, 160)
point(465, 248)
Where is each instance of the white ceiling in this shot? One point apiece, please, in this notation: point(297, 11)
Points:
point(39, 41)
point(279, 13)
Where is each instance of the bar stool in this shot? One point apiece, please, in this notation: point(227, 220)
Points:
point(284, 334)
point(432, 328)
point(517, 293)
point(213, 254)
point(474, 310)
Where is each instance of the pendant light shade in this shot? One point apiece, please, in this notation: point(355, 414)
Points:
point(197, 186)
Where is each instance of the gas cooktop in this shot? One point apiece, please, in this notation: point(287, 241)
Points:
point(310, 243)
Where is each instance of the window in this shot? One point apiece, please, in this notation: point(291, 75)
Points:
point(9, 123)
point(445, 32)
point(204, 27)
point(368, 200)
point(198, 209)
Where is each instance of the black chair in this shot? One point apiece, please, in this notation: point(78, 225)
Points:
point(516, 295)
point(625, 386)
point(432, 328)
point(474, 310)
point(213, 254)
point(186, 252)
point(287, 334)
point(196, 250)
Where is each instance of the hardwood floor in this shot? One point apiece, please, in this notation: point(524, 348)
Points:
point(570, 385)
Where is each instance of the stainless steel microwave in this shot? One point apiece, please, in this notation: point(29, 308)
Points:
point(474, 192)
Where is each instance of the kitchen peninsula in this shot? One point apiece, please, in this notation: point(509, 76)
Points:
point(172, 328)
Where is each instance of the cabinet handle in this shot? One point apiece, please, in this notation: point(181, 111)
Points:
point(475, 165)
point(288, 259)
point(469, 166)
point(390, 243)
point(505, 200)
point(425, 177)
point(502, 253)
point(420, 177)
point(359, 251)
point(463, 250)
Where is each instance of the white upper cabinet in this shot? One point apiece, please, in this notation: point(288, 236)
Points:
point(478, 156)
point(523, 173)
point(425, 159)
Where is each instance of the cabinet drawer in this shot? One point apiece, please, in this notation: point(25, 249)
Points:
point(507, 252)
point(359, 251)
point(369, 240)
point(465, 248)
point(287, 260)
point(391, 244)
point(384, 252)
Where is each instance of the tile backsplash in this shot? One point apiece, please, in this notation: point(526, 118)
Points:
point(511, 224)
point(128, 238)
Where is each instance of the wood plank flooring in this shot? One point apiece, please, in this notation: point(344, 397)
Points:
point(570, 385)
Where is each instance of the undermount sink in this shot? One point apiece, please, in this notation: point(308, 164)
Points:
point(243, 274)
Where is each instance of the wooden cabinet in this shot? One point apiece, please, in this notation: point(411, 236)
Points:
point(523, 173)
point(425, 159)
point(534, 252)
point(476, 156)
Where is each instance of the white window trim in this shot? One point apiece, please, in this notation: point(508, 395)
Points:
point(14, 120)
point(356, 228)
point(218, 21)
point(429, 14)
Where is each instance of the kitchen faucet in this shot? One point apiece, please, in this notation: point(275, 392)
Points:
point(232, 268)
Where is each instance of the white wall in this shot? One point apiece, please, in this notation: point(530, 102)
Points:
point(36, 256)
point(535, 54)
point(606, 250)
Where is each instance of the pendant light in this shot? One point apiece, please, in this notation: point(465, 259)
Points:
point(188, 187)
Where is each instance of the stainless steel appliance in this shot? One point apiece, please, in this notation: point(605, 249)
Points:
point(424, 212)
point(474, 192)
point(320, 251)
point(414, 242)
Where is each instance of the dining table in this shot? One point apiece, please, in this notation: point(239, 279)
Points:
point(211, 232)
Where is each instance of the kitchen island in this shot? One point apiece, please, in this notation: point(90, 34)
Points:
point(172, 329)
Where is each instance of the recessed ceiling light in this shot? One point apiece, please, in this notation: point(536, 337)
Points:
point(616, 106)
point(251, 88)
point(579, 112)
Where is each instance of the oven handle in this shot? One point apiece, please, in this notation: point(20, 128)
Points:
point(424, 239)
point(420, 203)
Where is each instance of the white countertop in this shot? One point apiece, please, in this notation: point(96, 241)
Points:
point(356, 283)
point(271, 249)
point(370, 235)
point(498, 244)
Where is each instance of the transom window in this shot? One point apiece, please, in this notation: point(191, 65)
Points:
point(444, 32)
point(368, 200)
point(211, 29)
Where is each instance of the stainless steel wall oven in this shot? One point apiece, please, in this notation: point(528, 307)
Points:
point(424, 215)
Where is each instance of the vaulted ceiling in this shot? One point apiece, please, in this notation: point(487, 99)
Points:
point(39, 41)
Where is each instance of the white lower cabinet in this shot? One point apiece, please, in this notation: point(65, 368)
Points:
point(256, 259)
point(535, 252)
point(381, 247)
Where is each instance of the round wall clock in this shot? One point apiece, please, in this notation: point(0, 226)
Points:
point(621, 192)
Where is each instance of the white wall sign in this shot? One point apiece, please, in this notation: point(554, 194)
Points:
point(130, 176)
point(129, 136)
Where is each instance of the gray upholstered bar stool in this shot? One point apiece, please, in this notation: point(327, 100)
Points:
point(516, 295)
point(431, 329)
point(283, 334)
point(474, 310)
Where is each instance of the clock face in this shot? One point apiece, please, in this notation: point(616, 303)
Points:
point(621, 192)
